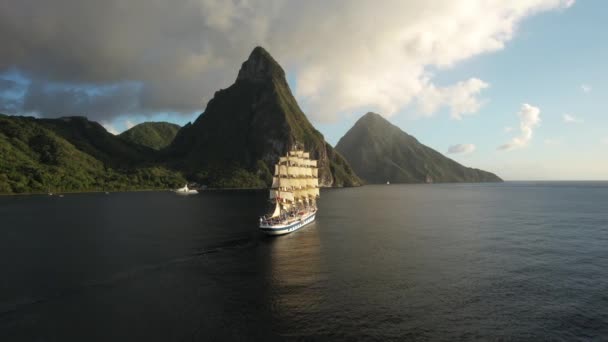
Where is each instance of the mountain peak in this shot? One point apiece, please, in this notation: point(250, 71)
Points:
point(375, 122)
point(373, 117)
point(370, 115)
point(260, 66)
point(379, 151)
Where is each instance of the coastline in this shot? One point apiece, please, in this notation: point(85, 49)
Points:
point(82, 192)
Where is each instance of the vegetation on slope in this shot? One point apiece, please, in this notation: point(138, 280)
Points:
point(34, 158)
point(246, 127)
point(155, 135)
point(379, 152)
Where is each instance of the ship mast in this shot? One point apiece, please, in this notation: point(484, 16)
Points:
point(295, 182)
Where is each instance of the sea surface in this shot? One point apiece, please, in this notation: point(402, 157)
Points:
point(442, 262)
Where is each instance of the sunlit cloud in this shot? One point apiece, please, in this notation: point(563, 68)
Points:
point(140, 57)
point(529, 118)
point(461, 98)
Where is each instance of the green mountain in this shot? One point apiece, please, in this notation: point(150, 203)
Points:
point(246, 127)
point(379, 152)
point(155, 135)
point(92, 138)
point(73, 154)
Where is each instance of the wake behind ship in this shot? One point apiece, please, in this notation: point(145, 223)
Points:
point(294, 193)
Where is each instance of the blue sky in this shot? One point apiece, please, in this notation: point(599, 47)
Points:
point(552, 56)
point(530, 76)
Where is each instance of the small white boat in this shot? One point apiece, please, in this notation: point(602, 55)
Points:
point(388, 183)
point(186, 191)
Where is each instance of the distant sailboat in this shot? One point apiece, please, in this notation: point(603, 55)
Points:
point(186, 191)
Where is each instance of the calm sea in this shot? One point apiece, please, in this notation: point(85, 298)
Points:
point(512, 261)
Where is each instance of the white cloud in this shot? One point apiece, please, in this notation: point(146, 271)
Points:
point(586, 88)
point(508, 129)
point(460, 98)
point(387, 68)
point(345, 56)
point(461, 148)
point(110, 128)
point(129, 124)
point(571, 119)
point(529, 118)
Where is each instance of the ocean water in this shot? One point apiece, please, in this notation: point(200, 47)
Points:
point(441, 262)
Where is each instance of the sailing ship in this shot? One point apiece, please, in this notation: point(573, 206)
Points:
point(293, 194)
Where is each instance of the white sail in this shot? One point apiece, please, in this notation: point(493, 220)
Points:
point(275, 182)
point(277, 210)
point(312, 182)
point(289, 182)
point(294, 171)
point(282, 195)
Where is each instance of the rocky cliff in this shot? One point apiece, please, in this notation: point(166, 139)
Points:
point(246, 127)
point(379, 151)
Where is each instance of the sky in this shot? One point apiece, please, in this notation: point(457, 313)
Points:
point(512, 87)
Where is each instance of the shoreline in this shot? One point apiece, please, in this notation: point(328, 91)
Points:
point(81, 192)
point(265, 189)
point(130, 190)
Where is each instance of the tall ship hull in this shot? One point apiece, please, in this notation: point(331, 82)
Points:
point(283, 228)
point(293, 194)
